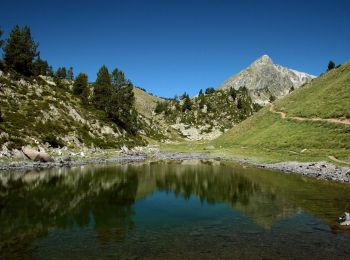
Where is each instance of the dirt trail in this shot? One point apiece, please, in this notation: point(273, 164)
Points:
point(337, 160)
point(283, 115)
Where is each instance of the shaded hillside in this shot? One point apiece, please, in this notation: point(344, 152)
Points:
point(267, 134)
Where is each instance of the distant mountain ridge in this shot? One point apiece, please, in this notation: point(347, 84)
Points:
point(266, 80)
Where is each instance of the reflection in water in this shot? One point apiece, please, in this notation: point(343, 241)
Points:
point(39, 205)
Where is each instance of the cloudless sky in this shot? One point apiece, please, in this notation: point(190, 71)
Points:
point(169, 47)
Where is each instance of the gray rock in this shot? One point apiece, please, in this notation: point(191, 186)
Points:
point(34, 155)
point(29, 152)
point(263, 79)
point(17, 154)
point(345, 219)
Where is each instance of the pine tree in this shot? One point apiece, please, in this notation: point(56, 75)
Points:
point(102, 89)
point(70, 75)
point(118, 77)
point(201, 99)
point(331, 65)
point(61, 73)
point(184, 96)
point(122, 110)
point(116, 98)
point(20, 50)
point(187, 103)
point(1, 41)
point(233, 93)
point(209, 91)
point(80, 84)
point(40, 67)
point(50, 71)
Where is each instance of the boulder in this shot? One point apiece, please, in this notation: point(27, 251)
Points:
point(345, 219)
point(124, 149)
point(30, 152)
point(17, 154)
point(34, 155)
point(43, 157)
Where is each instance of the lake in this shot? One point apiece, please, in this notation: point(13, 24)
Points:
point(170, 210)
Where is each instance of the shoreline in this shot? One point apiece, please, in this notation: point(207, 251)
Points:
point(320, 170)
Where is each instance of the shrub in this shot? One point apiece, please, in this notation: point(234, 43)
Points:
point(209, 91)
point(331, 65)
point(53, 141)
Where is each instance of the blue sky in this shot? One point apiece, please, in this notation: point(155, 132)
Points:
point(169, 47)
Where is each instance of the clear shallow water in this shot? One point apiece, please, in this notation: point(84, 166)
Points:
point(188, 210)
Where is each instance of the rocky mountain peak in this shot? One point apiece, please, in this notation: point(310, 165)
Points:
point(263, 60)
point(266, 81)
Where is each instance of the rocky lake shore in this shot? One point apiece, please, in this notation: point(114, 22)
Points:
point(321, 170)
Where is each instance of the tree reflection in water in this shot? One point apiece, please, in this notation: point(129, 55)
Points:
point(34, 203)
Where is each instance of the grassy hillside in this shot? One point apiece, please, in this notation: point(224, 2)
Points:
point(145, 103)
point(327, 96)
point(267, 136)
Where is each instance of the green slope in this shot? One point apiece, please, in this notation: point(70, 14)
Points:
point(267, 136)
point(327, 96)
point(145, 103)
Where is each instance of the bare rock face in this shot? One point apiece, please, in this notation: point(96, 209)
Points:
point(264, 79)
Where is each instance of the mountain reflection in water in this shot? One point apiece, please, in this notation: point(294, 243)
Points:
point(112, 204)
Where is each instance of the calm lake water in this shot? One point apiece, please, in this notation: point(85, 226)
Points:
point(170, 210)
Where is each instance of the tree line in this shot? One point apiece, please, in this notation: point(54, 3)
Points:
point(20, 54)
point(111, 92)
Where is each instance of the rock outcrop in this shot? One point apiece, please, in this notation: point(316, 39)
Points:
point(266, 80)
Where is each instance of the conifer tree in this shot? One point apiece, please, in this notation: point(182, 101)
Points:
point(233, 93)
point(70, 75)
point(187, 103)
point(1, 41)
point(331, 65)
point(40, 67)
point(118, 77)
point(50, 71)
point(20, 50)
point(102, 89)
point(80, 84)
point(61, 73)
point(122, 100)
point(209, 91)
point(201, 99)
